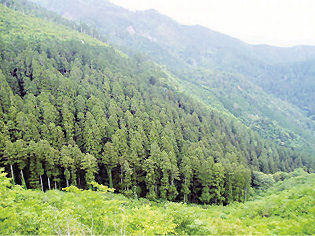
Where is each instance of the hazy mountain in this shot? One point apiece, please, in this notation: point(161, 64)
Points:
point(194, 41)
point(98, 141)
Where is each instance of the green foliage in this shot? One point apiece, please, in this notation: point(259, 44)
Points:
point(4, 181)
point(285, 208)
point(28, 28)
point(102, 188)
point(269, 89)
point(76, 114)
point(72, 189)
point(77, 111)
point(261, 180)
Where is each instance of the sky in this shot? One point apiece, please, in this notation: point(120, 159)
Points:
point(275, 22)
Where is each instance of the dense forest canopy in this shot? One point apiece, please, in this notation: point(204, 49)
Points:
point(75, 110)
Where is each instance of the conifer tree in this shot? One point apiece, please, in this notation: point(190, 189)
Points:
point(110, 159)
point(89, 164)
point(10, 157)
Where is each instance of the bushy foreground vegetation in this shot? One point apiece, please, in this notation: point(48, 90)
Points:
point(288, 207)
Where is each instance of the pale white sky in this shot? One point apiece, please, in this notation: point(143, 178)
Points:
point(275, 22)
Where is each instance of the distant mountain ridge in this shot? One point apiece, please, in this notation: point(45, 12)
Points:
point(84, 10)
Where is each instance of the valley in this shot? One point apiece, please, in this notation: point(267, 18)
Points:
point(130, 123)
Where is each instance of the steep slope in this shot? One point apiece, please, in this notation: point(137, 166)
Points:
point(216, 68)
point(75, 110)
point(293, 82)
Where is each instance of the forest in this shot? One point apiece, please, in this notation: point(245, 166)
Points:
point(87, 129)
point(269, 89)
point(73, 113)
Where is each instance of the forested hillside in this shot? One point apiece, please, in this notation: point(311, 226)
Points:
point(75, 110)
point(269, 89)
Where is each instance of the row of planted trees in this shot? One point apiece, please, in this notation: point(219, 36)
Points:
point(136, 156)
point(38, 165)
point(41, 161)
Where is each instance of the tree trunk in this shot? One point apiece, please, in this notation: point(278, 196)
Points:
point(48, 180)
point(135, 191)
point(185, 193)
point(41, 182)
point(134, 188)
point(109, 172)
point(73, 178)
point(67, 183)
point(12, 174)
point(23, 180)
point(55, 185)
point(121, 175)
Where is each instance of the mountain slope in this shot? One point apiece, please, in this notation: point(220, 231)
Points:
point(75, 110)
point(260, 85)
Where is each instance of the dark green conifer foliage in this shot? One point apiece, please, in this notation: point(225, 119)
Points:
point(74, 113)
